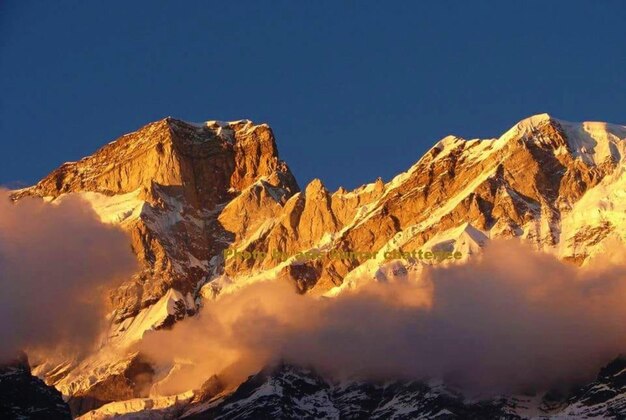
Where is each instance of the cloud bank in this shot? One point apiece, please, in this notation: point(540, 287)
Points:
point(56, 262)
point(513, 320)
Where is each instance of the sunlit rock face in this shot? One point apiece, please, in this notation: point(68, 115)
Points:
point(186, 193)
point(166, 184)
point(528, 184)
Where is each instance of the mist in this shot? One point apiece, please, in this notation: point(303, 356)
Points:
point(510, 320)
point(57, 261)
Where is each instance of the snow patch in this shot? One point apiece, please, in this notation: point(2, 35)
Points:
point(151, 318)
point(116, 209)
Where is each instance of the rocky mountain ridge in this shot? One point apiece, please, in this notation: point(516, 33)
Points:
point(24, 396)
point(286, 391)
point(186, 192)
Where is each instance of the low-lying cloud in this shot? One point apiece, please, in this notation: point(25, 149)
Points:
point(513, 320)
point(56, 262)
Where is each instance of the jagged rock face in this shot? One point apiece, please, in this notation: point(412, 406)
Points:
point(167, 185)
point(132, 381)
point(520, 185)
point(604, 398)
point(180, 174)
point(24, 396)
point(289, 392)
point(204, 162)
point(186, 192)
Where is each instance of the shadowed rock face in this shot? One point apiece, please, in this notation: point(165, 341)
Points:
point(603, 398)
point(25, 396)
point(132, 382)
point(290, 392)
point(186, 192)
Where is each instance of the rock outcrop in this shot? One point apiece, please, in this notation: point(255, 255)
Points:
point(288, 391)
point(24, 396)
point(185, 193)
point(166, 184)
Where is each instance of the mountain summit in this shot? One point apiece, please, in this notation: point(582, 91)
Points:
point(187, 192)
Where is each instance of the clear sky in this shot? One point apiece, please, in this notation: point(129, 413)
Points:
point(353, 90)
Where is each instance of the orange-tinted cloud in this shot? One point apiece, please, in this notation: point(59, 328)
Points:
point(56, 262)
point(511, 321)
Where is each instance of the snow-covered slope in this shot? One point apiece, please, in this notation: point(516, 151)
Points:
point(186, 192)
point(290, 392)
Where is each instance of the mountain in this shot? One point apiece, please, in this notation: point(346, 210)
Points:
point(166, 184)
point(24, 396)
point(186, 193)
point(285, 391)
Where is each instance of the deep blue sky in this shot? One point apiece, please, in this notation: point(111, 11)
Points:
point(353, 90)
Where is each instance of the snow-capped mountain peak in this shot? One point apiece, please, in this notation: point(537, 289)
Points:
point(186, 192)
